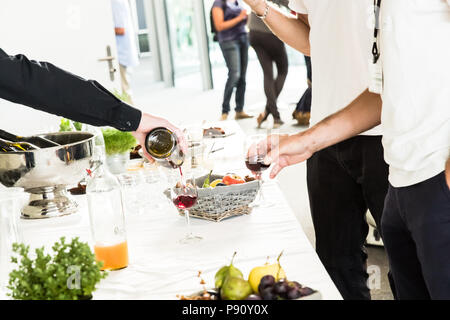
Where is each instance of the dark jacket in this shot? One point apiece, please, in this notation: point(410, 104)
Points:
point(45, 87)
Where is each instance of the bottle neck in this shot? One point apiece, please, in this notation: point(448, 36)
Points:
point(97, 170)
point(16, 146)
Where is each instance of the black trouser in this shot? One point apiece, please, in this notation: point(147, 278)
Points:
point(345, 180)
point(270, 49)
point(304, 104)
point(416, 234)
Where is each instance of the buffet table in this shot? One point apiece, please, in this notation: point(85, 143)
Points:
point(161, 268)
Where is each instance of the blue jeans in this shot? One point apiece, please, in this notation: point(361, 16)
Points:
point(235, 53)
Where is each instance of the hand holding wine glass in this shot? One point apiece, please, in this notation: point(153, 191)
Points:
point(257, 149)
point(284, 150)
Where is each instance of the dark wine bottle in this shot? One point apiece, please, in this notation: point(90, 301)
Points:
point(9, 146)
point(37, 141)
point(6, 146)
point(162, 145)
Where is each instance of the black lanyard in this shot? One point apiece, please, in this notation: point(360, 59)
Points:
point(375, 51)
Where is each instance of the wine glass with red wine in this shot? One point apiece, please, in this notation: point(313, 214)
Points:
point(256, 150)
point(184, 196)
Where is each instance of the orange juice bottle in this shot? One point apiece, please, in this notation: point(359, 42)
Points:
point(107, 219)
point(114, 257)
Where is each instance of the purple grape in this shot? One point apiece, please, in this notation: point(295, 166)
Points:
point(305, 291)
point(268, 294)
point(281, 288)
point(266, 281)
point(293, 293)
point(253, 297)
point(294, 284)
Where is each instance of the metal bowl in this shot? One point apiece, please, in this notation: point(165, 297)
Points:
point(45, 173)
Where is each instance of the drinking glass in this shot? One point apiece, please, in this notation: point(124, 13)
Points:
point(11, 203)
point(194, 132)
point(184, 196)
point(155, 187)
point(255, 152)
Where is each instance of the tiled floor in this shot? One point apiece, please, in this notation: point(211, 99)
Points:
point(188, 104)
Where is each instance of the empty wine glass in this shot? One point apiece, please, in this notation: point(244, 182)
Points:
point(184, 196)
point(256, 150)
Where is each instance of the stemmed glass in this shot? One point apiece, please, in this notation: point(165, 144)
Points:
point(184, 196)
point(254, 161)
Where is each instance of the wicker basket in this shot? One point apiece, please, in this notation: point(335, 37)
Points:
point(216, 204)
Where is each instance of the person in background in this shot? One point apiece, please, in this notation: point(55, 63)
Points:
point(349, 177)
point(45, 87)
point(230, 19)
point(126, 44)
point(302, 112)
point(269, 49)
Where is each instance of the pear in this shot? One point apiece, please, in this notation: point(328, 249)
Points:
point(235, 288)
point(275, 270)
point(225, 272)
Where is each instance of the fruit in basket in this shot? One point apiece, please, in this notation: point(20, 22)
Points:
point(206, 182)
point(225, 272)
point(215, 183)
point(235, 288)
point(231, 179)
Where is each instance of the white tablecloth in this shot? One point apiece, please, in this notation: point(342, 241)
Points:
point(161, 268)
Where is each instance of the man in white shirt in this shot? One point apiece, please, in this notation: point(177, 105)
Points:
point(126, 44)
point(347, 178)
point(415, 52)
point(415, 116)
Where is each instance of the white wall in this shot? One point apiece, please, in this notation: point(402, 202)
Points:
point(71, 34)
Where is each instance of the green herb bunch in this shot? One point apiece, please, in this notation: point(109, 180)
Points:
point(117, 142)
point(68, 125)
point(70, 274)
point(121, 95)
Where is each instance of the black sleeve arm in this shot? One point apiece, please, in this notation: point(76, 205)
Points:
point(45, 87)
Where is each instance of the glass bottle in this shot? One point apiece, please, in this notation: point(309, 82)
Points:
point(11, 202)
point(99, 154)
point(162, 145)
point(107, 219)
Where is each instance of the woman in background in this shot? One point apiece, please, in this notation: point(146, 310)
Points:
point(302, 112)
point(269, 49)
point(230, 19)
